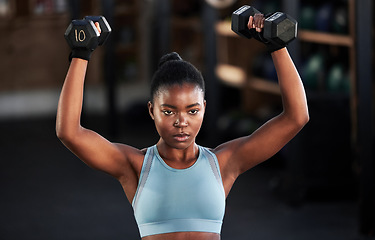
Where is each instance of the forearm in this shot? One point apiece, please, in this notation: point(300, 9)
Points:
point(71, 98)
point(291, 86)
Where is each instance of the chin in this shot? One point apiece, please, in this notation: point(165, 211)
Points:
point(180, 145)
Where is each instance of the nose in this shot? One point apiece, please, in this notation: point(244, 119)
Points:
point(181, 121)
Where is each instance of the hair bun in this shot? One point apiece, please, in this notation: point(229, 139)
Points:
point(173, 56)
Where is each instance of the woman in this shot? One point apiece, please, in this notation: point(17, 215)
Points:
point(176, 187)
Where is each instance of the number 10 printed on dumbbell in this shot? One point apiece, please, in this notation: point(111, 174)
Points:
point(81, 36)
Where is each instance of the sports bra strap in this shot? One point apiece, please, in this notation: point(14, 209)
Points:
point(214, 166)
point(145, 171)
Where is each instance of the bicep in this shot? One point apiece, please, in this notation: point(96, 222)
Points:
point(99, 153)
point(244, 153)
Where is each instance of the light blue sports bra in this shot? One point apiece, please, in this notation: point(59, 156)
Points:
point(179, 200)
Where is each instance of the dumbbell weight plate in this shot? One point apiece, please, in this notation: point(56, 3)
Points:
point(104, 27)
point(280, 28)
point(240, 19)
point(82, 34)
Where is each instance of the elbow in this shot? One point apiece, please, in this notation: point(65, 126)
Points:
point(298, 121)
point(63, 134)
point(66, 131)
point(302, 120)
point(60, 133)
point(65, 138)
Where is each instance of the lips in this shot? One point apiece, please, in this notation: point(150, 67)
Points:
point(182, 137)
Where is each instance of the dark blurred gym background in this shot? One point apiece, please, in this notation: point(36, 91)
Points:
point(320, 186)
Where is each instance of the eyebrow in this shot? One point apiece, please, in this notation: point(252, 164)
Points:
point(174, 107)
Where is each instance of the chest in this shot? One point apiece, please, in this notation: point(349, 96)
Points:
point(177, 194)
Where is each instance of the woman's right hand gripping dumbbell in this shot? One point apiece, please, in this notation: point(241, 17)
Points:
point(83, 36)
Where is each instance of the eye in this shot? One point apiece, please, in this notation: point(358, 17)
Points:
point(167, 112)
point(194, 111)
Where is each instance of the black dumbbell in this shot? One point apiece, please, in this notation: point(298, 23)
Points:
point(278, 27)
point(84, 34)
point(104, 27)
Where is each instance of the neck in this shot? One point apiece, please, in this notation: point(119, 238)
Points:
point(178, 156)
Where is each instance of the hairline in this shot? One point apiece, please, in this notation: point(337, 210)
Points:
point(180, 84)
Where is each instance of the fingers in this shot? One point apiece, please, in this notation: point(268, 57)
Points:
point(98, 27)
point(256, 22)
point(259, 21)
point(250, 23)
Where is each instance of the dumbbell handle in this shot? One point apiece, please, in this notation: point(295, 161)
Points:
point(104, 27)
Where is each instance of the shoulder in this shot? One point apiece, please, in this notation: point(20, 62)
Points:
point(132, 153)
point(226, 155)
point(220, 154)
point(132, 156)
point(224, 150)
point(208, 151)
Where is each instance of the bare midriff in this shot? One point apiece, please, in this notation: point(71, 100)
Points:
point(184, 236)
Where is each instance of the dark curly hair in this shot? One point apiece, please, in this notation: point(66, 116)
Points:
point(173, 70)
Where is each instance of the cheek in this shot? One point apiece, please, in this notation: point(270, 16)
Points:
point(195, 123)
point(162, 124)
point(199, 123)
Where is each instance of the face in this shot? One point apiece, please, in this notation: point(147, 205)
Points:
point(178, 114)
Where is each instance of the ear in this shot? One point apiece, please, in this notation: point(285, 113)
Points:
point(204, 104)
point(151, 109)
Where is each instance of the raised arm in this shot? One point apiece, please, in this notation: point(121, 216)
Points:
point(241, 154)
point(118, 160)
